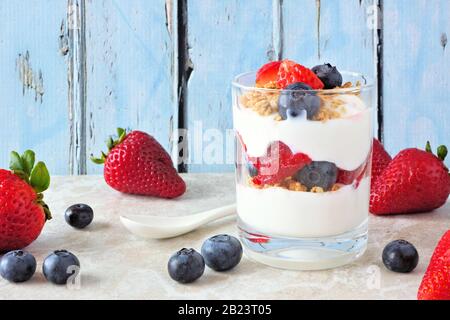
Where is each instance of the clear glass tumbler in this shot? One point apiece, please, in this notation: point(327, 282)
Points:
point(303, 173)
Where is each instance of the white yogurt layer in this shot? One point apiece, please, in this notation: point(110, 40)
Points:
point(280, 212)
point(345, 141)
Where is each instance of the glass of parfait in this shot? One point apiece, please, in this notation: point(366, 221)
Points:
point(303, 157)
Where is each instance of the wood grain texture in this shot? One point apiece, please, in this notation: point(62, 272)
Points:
point(64, 89)
point(416, 73)
point(129, 70)
point(338, 32)
point(225, 38)
point(33, 87)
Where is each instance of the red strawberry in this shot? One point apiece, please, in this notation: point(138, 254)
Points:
point(436, 281)
point(278, 164)
point(267, 73)
point(348, 177)
point(138, 164)
point(291, 72)
point(414, 181)
point(380, 160)
point(22, 209)
point(241, 142)
point(257, 238)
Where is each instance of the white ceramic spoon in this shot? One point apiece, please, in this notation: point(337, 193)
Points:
point(160, 227)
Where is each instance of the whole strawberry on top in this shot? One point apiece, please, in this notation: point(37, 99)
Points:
point(137, 164)
point(414, 181)
point(436, 281)
point(22, 210)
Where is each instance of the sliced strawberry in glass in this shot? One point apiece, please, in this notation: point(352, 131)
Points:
point(346, 177)
point(349, 177)
point(291, 72)
point(278, 164)
point(267, 73)
point(241, 142)
point(258, 238)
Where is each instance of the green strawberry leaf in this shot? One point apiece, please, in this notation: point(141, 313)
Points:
point(110, 143)
point(122, 133)
point(442, 152)
point(97, 160)
point(428, 147)
point(40, 178)
point(16, 162)
point(22, 175)
point(28, 159)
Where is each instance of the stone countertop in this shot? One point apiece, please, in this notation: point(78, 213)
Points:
point(117, 265)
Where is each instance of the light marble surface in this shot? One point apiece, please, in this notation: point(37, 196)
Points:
point(117, 265)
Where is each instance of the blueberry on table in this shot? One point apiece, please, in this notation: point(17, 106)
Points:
point(79, 215)
point(222, 252)
point(400, 256)
point(318, 174)
point(329, 75)
point(297, 99)
point(17, 266)
point(59, 266)
point(186, 265)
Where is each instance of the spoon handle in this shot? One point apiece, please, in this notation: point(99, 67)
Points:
point(216, 213)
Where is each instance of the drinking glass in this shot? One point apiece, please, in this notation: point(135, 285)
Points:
point(303, 175)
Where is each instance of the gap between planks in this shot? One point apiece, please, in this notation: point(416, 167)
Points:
point(76, 22)
point(379, 68)
point(185, 69)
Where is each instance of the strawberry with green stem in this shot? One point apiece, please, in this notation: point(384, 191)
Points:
point(137, 164)
point(23, 211)
point(414, 181)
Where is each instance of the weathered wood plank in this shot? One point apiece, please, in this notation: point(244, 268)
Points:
point(338, 32)
point(33, 81)
point(225, 38)
point(130, 72)
point(131, 67)
point(416, 73)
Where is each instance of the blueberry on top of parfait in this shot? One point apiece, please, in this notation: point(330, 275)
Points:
point(329, 75)
point(298, 99)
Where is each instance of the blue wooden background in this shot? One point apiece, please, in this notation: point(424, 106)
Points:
point(71, 71)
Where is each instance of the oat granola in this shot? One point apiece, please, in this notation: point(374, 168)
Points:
point(291, 184)
point(317, 190)
point(265, 103)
